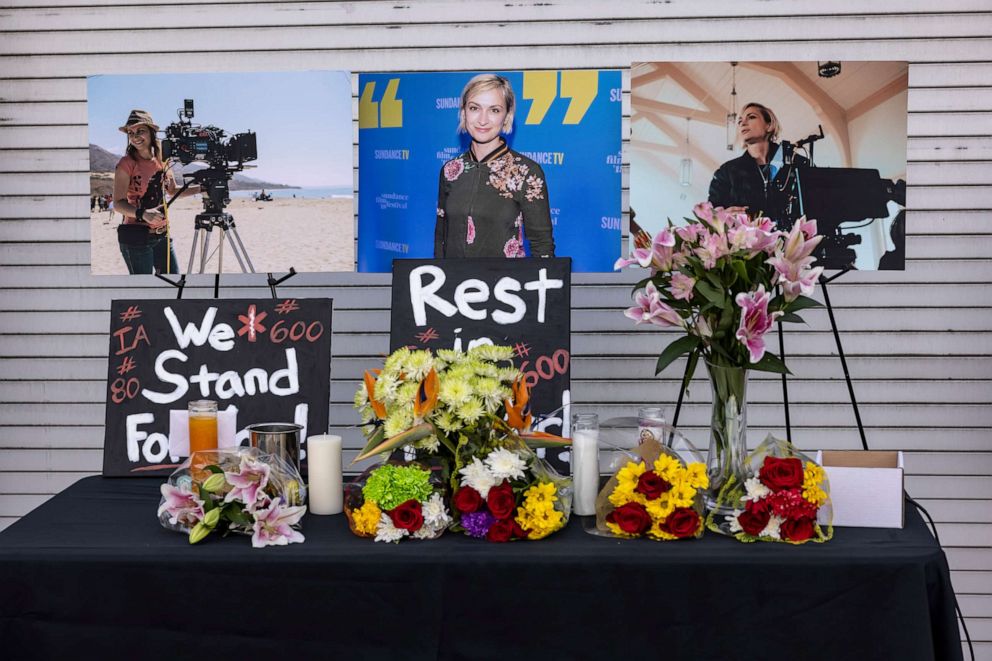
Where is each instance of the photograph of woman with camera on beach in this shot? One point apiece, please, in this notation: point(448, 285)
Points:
point(273, 169)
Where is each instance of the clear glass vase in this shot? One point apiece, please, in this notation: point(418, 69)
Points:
point(728, 429)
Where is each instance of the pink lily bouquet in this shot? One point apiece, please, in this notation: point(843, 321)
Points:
point(715, 279)
point(243, 490)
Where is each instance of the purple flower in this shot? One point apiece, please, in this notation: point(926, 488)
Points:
point(703, 211)
point(453, 169)
point(477, 524)
point(248, 482)
point(183, 506)
point(274, 525)
point(658, 257)
point(755, 321)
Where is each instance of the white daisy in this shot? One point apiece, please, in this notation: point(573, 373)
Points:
point(506, 465)
point(735, 526)
point(387, 532)
point(435, 513)
point(772, 529)
point(477, 476)
point(755, 489)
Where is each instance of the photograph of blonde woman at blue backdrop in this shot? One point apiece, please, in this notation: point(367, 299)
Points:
point(565, 125)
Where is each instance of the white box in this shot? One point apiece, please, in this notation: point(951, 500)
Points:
point(866, 487)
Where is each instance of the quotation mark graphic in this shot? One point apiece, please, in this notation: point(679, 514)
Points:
point(427, 336)
point(252, 323)
point(542, 88)
point(126, 365)
point(287, 306)
point(521, 349)
point(132, 313)
point(386, 113)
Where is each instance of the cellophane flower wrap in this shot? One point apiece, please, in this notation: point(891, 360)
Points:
point(502, 491)
point(399, 500)
point(785, 497)
point(714, 278)
point(653, 493)
point(241, 490)
point(471, 409)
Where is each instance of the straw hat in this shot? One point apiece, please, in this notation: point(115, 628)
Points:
point(139, 117)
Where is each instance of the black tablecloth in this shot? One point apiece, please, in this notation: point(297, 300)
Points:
point(91, 573)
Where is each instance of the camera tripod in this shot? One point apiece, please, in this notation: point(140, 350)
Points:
point(204, 225)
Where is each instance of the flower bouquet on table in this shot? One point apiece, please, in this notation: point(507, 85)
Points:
point(504, 491)
point(785, 497)
point(723, 279)
point(434, 406)
point(241, 490)
point(654, 492)
point(398, 499)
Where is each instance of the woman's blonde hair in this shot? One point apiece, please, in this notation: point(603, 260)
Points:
point(483, 83)
point(774, 128)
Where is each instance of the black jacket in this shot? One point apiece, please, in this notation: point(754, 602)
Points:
point(739, 182)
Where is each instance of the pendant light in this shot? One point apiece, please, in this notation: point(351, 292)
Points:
point(685, 170)
point(732, 115)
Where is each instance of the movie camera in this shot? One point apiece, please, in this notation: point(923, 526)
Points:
point(834, 196)
point(188, 142)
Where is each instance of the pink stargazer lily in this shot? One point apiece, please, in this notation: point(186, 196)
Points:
point(183, 506)
point(711, 248)
point(792, 263)
point(248, 482)
point(681, 287)
point(651, 309)
point(658, 257)
point(755, 321)
point(273, 525)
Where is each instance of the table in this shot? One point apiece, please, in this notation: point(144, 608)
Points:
point(90, 573)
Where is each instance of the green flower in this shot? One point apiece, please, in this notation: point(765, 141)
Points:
point(471, 410)
point(399, 421)
point(394, 362)
point(454, 391)
point(418, 364)
point(491, 352)
point(389, 485)
point(386, 386)
point(361, 396)
point(447, 422)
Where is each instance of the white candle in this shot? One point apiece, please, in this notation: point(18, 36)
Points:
point(585, 471)
point(324, 468)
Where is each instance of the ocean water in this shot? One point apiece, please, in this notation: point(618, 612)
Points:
point(304, 193)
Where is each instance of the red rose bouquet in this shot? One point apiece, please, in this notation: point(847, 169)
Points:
point(653, 494)
point(504, 491)
point(785, 498)
point(399, 499)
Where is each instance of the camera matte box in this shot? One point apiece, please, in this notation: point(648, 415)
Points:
point(866, 487)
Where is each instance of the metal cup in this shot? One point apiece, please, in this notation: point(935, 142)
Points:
point(279, 438)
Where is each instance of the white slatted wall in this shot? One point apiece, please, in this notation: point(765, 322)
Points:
point(919, 341)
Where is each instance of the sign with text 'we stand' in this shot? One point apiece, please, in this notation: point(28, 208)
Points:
point(569, 122)
point(265, 360)
point(521, 303)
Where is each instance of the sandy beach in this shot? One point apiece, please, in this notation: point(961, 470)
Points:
point(309, 235)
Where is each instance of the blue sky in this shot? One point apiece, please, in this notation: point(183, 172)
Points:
point(302, 118)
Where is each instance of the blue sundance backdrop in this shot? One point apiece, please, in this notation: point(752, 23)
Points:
point(567, 121)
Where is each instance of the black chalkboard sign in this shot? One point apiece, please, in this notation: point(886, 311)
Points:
point(522, 303)
point(269, 358)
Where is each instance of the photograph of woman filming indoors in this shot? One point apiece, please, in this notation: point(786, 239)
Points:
point(140, 180)
point(491, 198)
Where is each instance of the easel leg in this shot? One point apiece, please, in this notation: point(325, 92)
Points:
point(843, 359)
point(678, 404)
point(785, 383)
